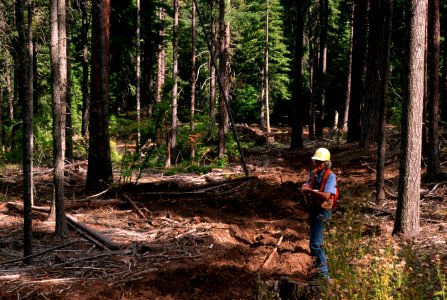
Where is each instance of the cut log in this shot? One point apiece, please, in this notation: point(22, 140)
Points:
point(298, 290)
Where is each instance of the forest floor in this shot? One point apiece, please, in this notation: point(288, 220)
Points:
point(212, 236)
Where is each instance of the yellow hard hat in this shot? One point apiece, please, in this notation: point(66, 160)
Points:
point(322, 154)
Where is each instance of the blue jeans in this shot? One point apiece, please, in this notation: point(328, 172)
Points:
point(318, 218)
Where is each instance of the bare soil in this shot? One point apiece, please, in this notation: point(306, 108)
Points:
point(233, 240)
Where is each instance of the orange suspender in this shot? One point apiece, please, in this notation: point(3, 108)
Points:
point(323, 181)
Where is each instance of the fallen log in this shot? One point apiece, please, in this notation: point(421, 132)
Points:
point(87, 232)
point(206, 186)
point(95, 234)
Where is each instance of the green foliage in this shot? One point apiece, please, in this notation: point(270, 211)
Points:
point(366, 263)
point(247, 105)
point(249, 55)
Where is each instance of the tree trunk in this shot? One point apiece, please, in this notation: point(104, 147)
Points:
point(223, 61)
point(99, 174)
point(22, 80)
point(147, 84)
point(408, 210)
point(343, 123)
point(1, 121)
point(172, 156)
point(9, 89)
point(297, 93)
point(138, 77)
point(161, 58)
point(262, 119)
point(358, 65)
point(434, 32)
point(321, 85)
point(59, 74)
point(69, 119)
point(193, 78)
point(444, 66)
point(374, 78)
point(313, 68)
point(85, 69)
point(267, 104)
point(381, 147)
point(30, 84)
point(213, 70)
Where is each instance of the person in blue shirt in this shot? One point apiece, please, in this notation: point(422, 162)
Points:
point(320, 208)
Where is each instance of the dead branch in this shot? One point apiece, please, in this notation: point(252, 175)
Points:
point(436, 186)
point(97, 195)
point(46, 171)
point(40, 253)
point(134, 205)
point(186, 233)
point(269, 258)
point(83, 259)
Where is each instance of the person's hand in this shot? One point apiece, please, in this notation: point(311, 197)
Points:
point(305, 187)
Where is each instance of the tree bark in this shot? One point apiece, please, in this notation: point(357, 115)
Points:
point(172, 155)
point(434, 32)
point(9, 89)
point(193, 78)
point(22, 80)
point(161, 58)
point(266, 73)
point(381, 145)
point(147, 84)
point(99, 174)
point(223, 61)
point(138, 77)
point(374, 78)
point(59, 74)
point(85, 70)
point(69, 119)
point(444, 66)
point(343, 121)
point(213, 69)
point(408, 208)
point(313, 67)
point(322, 62)
point(358, 65)
point(297, 93)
